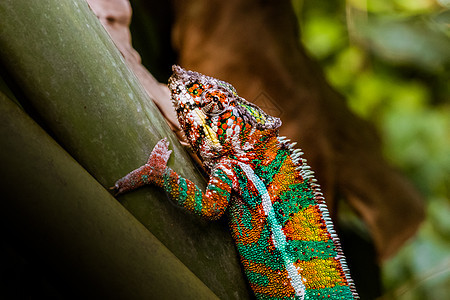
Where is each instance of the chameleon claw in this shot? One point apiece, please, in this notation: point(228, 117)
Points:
point(117, 190)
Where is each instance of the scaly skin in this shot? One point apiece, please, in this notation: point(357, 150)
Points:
point(278, 216)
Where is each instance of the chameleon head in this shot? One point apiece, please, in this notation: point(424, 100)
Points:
point(213, 117)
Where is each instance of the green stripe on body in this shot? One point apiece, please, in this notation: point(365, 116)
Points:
point(198, 197)
point(257, 278)
point(252, 199)
point(307, 250)
point(182, 190)
point(166, 181)
point(220, 174)
point(298, 197)
point(338, 292)
point(217, 189)
point(266, 173)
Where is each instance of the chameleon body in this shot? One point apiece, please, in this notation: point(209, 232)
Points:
point(277, 214)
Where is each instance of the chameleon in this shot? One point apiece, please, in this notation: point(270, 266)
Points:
point(278, 217)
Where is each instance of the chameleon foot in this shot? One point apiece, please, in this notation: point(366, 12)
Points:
point(149, 173)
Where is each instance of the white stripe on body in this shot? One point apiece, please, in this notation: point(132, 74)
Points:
point(278, 236)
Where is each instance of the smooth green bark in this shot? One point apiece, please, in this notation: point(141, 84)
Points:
point(87, 237)
point(77, 82)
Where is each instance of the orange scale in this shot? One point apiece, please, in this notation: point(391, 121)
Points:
point(278, 284)
point(226, 115)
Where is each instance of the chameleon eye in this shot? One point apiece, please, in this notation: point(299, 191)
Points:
point(214, 102)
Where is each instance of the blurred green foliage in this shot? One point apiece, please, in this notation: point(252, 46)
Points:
point(391, 59)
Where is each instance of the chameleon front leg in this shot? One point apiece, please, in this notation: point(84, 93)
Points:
point(210, 204)
point(150, 173)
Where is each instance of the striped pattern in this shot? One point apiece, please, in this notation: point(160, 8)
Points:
point(278, 236)
point(289, 208)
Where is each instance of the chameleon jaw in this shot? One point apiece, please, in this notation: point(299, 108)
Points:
point(209, 133)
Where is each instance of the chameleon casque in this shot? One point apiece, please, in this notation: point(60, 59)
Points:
point(277, 214)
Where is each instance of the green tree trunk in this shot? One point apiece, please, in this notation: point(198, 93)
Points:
point(75, 226)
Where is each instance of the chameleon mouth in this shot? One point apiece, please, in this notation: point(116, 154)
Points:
point(176, 78)
point(182, 75)
point(207, 130)
point(177, 84)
